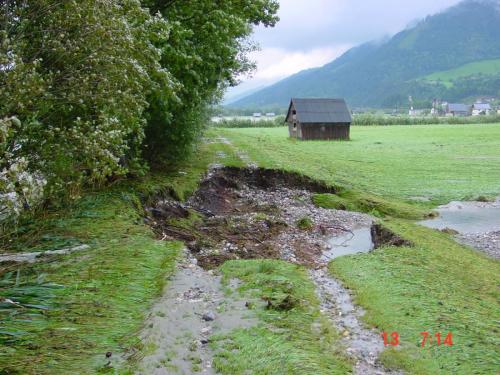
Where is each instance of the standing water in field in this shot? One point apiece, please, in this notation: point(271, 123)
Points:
point(477, 224)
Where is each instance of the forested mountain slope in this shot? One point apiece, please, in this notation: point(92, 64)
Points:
point(384, 74)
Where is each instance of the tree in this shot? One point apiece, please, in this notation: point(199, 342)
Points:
point(206, 51)
point(77, 75)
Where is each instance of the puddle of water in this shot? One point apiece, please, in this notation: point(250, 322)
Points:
point(359, 241)
point(467, 217)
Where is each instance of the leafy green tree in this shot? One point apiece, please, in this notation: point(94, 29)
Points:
point(88, 87)
point(206, 51)
point(77, 74)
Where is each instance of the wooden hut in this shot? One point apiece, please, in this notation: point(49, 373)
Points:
point(318, 119)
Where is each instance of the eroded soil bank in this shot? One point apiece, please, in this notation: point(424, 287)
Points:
point(252, 214)
point(255, 213)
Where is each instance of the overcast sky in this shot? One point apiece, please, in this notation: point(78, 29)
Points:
point(312, 33)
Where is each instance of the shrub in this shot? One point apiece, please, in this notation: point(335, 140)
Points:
point(99, 86)
point(19, 188)
point(275, 122)
point(305, 223)
point(77, 74)
point(368, 119)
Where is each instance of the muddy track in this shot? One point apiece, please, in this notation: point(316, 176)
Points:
point(252, 213)
point(363, 344)
point(180, 324)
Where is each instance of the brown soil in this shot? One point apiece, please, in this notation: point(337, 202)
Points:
point(383, 236)
point(231, 217)
point(231, 225)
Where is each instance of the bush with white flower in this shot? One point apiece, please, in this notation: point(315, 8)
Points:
point(78, 74)
point(91, 90)
point(20, 188)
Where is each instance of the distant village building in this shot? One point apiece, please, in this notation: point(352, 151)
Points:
point(457, 110)
point(270, 114)
point(417, 112)
point(481, 109)
point(486, 99)
point(257, 114)
point(310, 119)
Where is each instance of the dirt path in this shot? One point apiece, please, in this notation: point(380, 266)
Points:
point(243, 155)
point(192, 308)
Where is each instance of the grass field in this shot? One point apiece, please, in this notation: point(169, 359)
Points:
point(80, 306)
point(84, 305)
point(439, 162)
point(485, 67)
point(292, 340)
point(436, 285)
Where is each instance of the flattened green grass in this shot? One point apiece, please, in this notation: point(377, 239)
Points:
point(374, 205)
point(86, 304)
point(436, 286)
point(292, 337)
point(439, 162)
point(104, 293)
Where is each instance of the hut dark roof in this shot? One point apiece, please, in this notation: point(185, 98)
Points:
point(321, 110)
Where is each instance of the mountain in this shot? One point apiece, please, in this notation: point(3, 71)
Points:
point(231, 97)
point(452, 55)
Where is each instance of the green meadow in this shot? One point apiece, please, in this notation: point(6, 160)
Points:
point(485, 67)
point(435, 285)
point(436, 162)
point(84, 305)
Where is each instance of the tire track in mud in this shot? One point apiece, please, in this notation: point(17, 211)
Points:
point(244, 157)
point(362, 344)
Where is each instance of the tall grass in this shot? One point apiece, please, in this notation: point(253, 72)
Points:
point(369, 119)
point(362, 120)
point(273, 122)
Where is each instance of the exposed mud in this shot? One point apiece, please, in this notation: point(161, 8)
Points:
point(257, 213)
point(192, 308)
point(383, 236)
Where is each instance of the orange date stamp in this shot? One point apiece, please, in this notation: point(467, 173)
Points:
point(393, 339)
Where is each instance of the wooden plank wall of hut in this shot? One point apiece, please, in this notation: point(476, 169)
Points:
point(325, 131)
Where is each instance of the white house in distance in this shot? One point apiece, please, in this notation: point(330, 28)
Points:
point(479, 109)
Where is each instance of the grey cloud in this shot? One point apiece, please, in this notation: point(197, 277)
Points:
point(308, 24)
